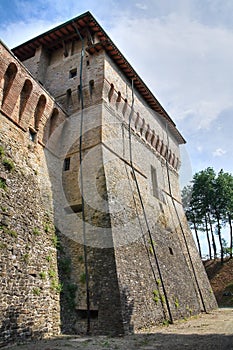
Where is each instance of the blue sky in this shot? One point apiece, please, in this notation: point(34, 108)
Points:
point(182, 49)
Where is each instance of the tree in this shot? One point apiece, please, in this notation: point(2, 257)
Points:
point(208, 203)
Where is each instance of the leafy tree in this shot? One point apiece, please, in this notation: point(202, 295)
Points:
point(208, 203)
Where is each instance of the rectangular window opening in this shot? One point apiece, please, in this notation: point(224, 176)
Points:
point(73, 73)
point(66, 165)
point(154, 180)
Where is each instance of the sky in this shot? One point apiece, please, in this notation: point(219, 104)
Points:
point(182, 49)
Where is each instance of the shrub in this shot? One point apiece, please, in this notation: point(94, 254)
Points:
point(8, 164)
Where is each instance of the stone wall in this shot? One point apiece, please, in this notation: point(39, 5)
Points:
point(29, 284)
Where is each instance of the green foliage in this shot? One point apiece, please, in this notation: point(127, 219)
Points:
point(158, 282)
point(49, 258)
point(36, 231)
point(83, 278)
point(12, 233)
point(25, 257)
point(52, 273)
point(65, 265)
point(3, 184)
point(47, 228)
point(80, 259)
point(189, 310)
point(36, 291)
point(42, 275)
point(55, 241)
point(8, 164)
point(208, 203)
point(2, 151)
point(56, 286)
point(166, 323)
point(176, 303)
point(3, 245)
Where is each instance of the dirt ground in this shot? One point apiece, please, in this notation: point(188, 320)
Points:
point(208, 331)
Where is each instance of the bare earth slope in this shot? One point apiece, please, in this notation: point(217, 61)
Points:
point(207, 332)
point(221, 280)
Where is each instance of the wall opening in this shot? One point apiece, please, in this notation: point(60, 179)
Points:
point(53, 121)
point(111, 92)
point(9, 77)
point(72, 73)
point(40, 107)
point(171, 251)
point(91, 86)
point(32, 135)
point(24, 96)
point(68, 98)
point(66, 164)
point(154, 180)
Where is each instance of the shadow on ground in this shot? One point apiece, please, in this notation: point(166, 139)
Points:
point(154, 341)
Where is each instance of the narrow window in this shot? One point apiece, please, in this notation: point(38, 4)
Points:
point(143, 126)
point(91, 86)
point(68, 98)
point(111, 91)
point(66, 165)
point(88, 63)
point(118, 97)
point(73, 73)
point(125, 107)
point(32, 135)
point(171, 251)
point(154, 180)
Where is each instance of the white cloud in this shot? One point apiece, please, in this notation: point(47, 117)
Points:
point(141, 6)
point(219, 152)
point(188, 65)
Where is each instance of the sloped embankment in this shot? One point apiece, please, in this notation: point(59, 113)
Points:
point(221, 280)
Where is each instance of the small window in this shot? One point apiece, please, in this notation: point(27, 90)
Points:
point(154, 180)
point(32, 135)
point(73, 73)
point(171, 251)
point(66, 165)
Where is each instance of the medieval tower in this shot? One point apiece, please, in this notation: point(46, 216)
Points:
point(93, 233)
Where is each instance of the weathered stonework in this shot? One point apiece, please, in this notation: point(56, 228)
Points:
point(122, 256)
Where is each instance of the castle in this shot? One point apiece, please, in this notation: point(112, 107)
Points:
point(93, 236)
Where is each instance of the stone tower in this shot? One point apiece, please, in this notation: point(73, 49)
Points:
point(126, 257)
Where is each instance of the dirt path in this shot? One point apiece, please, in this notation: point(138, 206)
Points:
point(209, 331)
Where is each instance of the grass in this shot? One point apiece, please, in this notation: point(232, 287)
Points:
point(42, 275)
point(56, 286)
point(52, 273)
point(36, 231)
point(36, 291)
